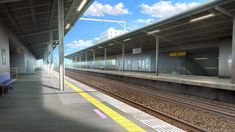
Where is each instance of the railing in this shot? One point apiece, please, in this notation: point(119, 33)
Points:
point(14, 72)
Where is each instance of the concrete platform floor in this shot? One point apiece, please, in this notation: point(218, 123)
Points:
point(211, 82)
point(37, 105)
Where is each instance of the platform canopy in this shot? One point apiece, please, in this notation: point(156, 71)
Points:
point(206, 23)
point(33, 20)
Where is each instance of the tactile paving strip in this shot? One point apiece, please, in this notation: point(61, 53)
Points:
point(145, 118)
point(152, 122)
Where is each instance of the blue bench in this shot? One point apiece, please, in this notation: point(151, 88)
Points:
point(5, 81)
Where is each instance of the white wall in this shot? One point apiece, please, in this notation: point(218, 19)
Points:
point(4, 44)
point(225, 52)
point(7, 38)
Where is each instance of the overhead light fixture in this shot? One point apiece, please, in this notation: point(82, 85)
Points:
point(127, 39)
point(81, 5)
point(202, 17)
point(155, 31)
point(67, 26)
point(100, 47)
point(198, 59)
point(111, 44)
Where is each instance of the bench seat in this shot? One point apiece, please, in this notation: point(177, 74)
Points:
point(5, 81)
point(8, 82)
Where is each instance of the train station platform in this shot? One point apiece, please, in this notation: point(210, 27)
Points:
point(37, 104)
point(201, 81)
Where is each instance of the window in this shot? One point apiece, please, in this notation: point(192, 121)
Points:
point(143, 64)
point(139, 64)
point(147, 64)
point(4, 58)
point(113, 62)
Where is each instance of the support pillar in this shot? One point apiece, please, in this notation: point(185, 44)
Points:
point(94, 66)
point(45, 60)
point(86, 60)
point(233, 54)
point(51, 52)
point(61, 41)
point(75, 60)
point(123, 57)
point(80, 58)
point(157, 55)
point(48, 60)
point(105, 58)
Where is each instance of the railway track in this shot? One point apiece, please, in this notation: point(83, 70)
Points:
point(206, 106)
point(170, 119)
point(210, 107)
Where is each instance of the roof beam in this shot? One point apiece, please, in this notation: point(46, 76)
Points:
point(191, 46)
point(200, 33)
point(194, 28)
point(42, 43)
point(8, 1)
point(205, 38)
point(31, 5)
point(9, 13)
point(223, 11)
point(169, 41)
point(53, 5)
point(70, 10)
point(163, 38)
point(37, 33)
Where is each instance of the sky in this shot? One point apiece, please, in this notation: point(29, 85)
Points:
point(136, 14)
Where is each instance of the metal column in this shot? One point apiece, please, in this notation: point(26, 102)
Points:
point(157, 55)
point(86, 60)
point(94, 59)
point(123, 55)
point(45, 60)
point(105, 58)
point(80, 58)
point(51, 52)
point(61, 41)
point(48, 60)
point(233, 55)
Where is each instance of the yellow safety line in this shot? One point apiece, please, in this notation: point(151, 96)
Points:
point(124, 122)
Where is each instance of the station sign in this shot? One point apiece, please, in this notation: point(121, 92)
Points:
point(137, 50)
point(180, 53)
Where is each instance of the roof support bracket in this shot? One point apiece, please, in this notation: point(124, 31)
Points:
point(163, 38)
point(223, 11)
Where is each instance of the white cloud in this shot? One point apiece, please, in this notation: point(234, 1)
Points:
point(80, 44)
point(132, 27)
point(164, 9)
point(144, 21)
point(99, 9)
point(96, 38)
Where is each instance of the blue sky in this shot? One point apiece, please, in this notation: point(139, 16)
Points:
point(136, 13)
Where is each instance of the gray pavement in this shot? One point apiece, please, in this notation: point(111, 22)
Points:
point(36, 105)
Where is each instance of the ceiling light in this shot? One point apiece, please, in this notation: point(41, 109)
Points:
point(152, 32)
point(111, 44)
point(100, 47)
point(81, 5)
point(67, 26)
point(202, 17)
point(198, 59)
point(127, 39)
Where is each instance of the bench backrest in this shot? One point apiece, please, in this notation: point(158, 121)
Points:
point(4, 77)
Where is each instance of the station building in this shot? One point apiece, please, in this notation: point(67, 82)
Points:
point(192, 52)
point(194, 48)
